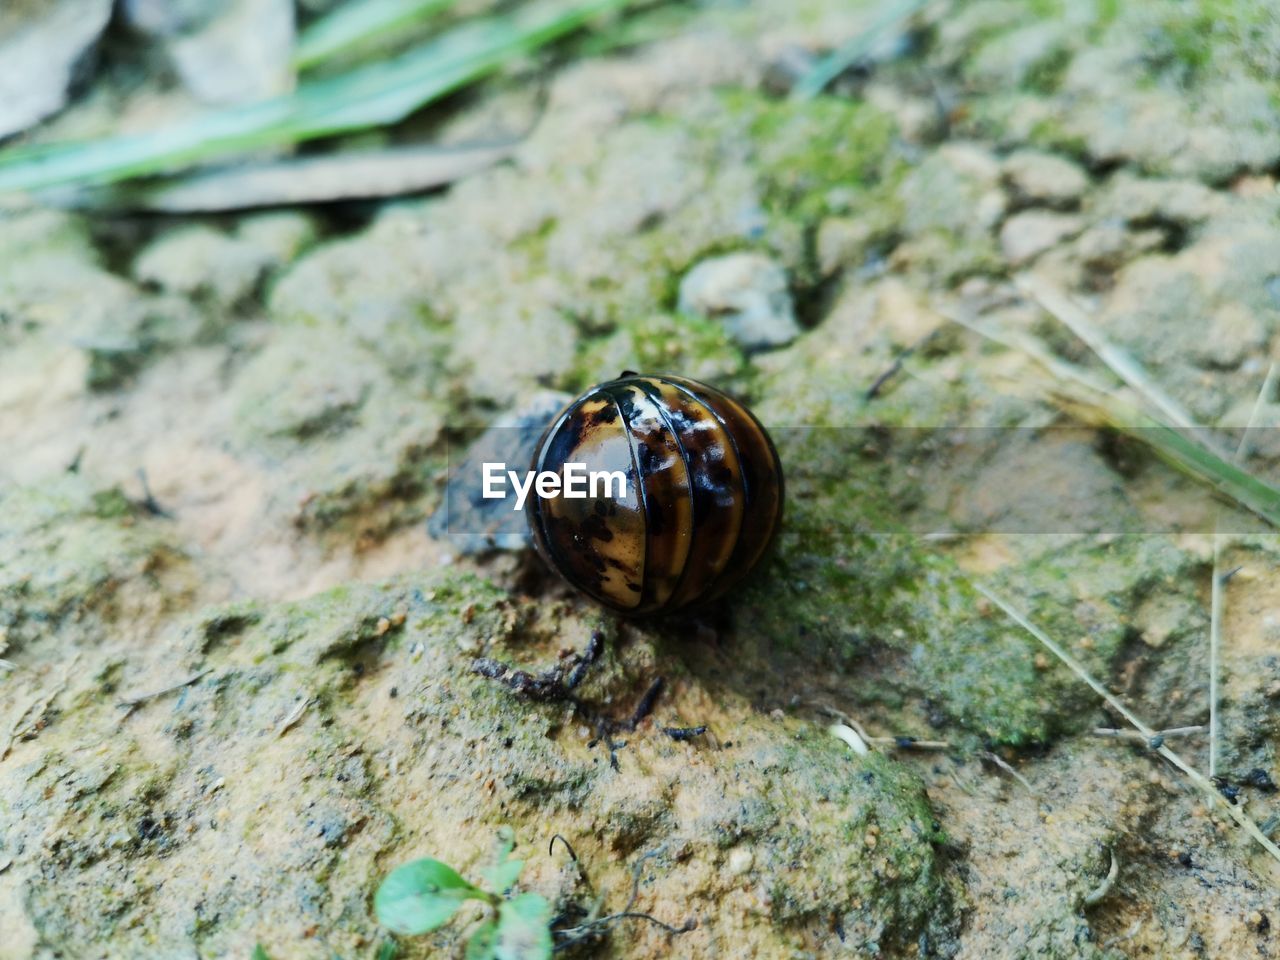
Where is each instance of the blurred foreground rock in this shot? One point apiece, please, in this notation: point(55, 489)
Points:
point(45, 47)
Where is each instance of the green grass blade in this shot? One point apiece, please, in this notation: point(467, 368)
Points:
point(357, 22)
point(1223, 475)
point(1172, 434)
point(1193, 455)
point(374, 95)
point(1191, 450)
point(1120, 362)
point(890, 17)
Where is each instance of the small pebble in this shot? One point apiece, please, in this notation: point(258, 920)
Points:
point(748, 293)
point(740, 861)
point(1026, 236)
point(1043, 178)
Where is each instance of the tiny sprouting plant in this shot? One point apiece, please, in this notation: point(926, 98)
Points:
point(425, 894)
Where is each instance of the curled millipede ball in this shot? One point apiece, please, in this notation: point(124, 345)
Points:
point(701, 505)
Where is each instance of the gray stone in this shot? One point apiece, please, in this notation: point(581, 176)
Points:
point(1233, 333)
point(920, 119)
point(1012, 59)
point(1108, 245)
point(202, 261)
point(224, 269)
point(280, 235)
point(1227, 127)
point(843, 241)
point(1183, 203)
point(951, 204)
point(1025, 236)
point(42, 48)
point(956, 190)
point(748, 292)
point(1044, 179)
point(166, 18)
point(466, 519)
point(228, 51)
point(1194, 317)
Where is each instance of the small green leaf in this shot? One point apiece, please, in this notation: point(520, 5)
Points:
point(421, 895)
point(524, 928)
point(481, 944)
point(387, 951)
point(506, 842)
point(889, 18)
point(503, 875)
point(258, 953)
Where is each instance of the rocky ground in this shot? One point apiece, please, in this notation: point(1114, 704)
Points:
point(222, 438)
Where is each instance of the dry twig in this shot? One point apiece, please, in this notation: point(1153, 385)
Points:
point(1217, 593)
point(1096, 895)
point(131, 702)
point(1007, 767)
point(289, 722)
point(898, 743)
point(1133, 735)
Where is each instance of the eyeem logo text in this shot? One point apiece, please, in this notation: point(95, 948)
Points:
point(575, 483)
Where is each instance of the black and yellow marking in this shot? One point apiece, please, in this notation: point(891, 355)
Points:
point(703, 501)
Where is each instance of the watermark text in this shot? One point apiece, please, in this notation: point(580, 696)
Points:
point(574, 482)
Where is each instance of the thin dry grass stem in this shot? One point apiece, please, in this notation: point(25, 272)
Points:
point(1267, 391)
point(1014, 340)
point(1197, 778)
point(1133, 735)
point(1134, 929)
point(290, 721)
point(141, 698)
point(1124, 366)
point(1096, 895)
point(1007, 767)
point(1215, 649)
point(1093, 401)
point(850, 736)
point(1194, 454)
point(1217, 591)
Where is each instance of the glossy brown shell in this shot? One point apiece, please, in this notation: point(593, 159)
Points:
point(703, 498)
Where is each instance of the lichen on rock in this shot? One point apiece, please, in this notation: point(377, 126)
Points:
point(78, 558)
